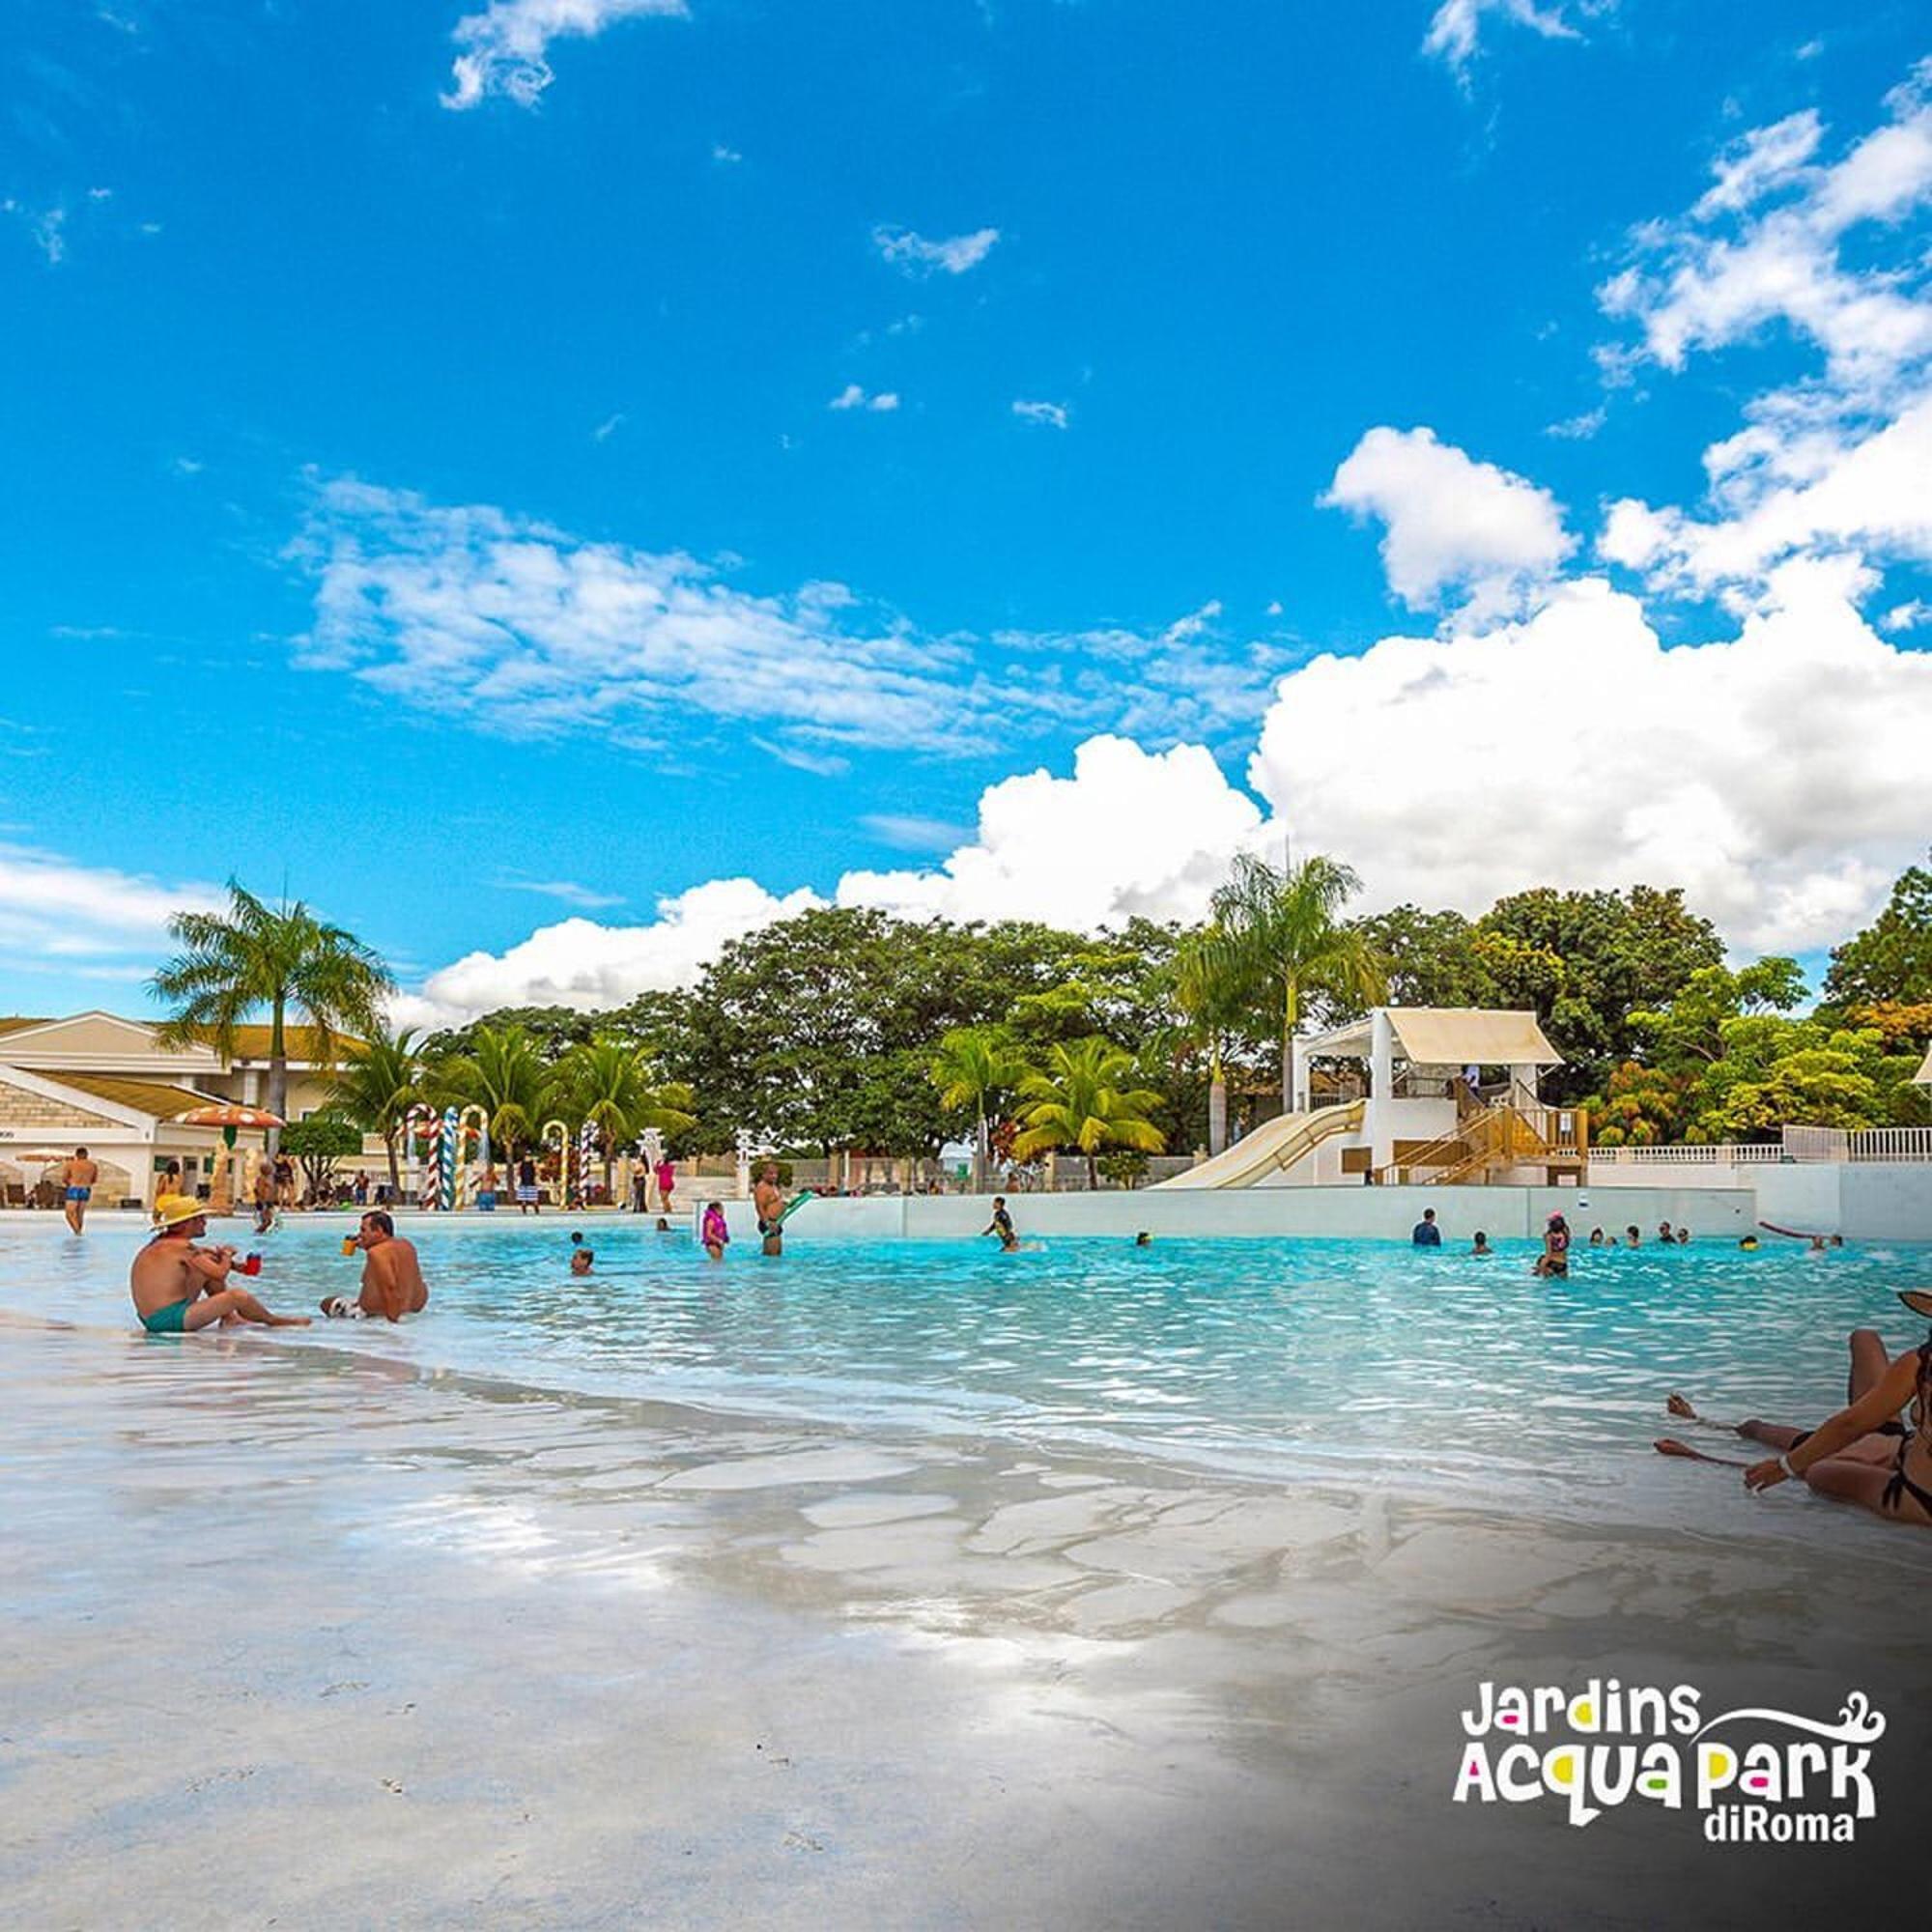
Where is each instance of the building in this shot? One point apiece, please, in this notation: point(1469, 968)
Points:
point(106, 1083)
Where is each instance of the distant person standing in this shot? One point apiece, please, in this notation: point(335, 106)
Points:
point(641, 1188)
point(285, 1182)
point(486, 1188)
point(667, 1180)
point(265, 1198)
point(1553, 1263)
point(713, 1233)
point(770, 1205)
point(78, 1177)
point(528, 1199)
point(1001, 1224)
point(1426, 1234)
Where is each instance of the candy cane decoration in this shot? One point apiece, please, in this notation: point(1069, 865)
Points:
point(563, 1156)
point(587, 1160)
point(477, 1137)
point(447, 1161)
point(418, 1123)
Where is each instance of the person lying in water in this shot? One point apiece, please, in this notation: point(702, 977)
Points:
point(1864, 1454)
point(179, 1288)
point(392, 1277)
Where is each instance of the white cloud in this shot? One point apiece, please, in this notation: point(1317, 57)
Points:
point(1906, 616)
point(1130, 832)
point(912, 833)
point(581, 964)
point(588, 898)
point(1779, 776)
point(912, 253)
point(1456, 528)
point(607, 428)
point(57, 915)
point(1839, 460)
point(726, 157)
point(1579, 428)
point(525, 631)
point(504, 49)
point(1049, 415)
point(1456, 28)
point(853, 397)
point(46, 226)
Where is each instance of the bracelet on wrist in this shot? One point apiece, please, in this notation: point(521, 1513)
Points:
point(1784, 1464)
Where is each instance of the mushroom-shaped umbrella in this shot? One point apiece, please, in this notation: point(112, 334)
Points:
point(231, 1118)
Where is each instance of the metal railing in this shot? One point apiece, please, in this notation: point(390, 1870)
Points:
point(1797, 1144)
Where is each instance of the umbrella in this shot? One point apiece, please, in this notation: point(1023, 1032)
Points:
point(231, 1118)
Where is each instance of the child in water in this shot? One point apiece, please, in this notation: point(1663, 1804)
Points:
point(713, 1232)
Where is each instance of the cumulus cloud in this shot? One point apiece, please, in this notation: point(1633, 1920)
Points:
point(1049, 415)
point(853, 397)
point(505, 49)
point(1779, 774)
point(1830, 253)
point(1456, 28)
point(906, 249)
point(1129, 831)
point(1456, 528)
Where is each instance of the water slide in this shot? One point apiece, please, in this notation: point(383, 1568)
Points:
point(1274, 1145)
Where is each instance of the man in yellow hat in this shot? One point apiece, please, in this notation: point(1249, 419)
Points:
point(179, 1288)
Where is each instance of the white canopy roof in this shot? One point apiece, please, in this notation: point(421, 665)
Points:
point(1446, 1037)
point(1924, 1077)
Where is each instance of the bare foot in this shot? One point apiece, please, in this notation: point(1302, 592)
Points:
point(1676, 1406)
point(290, 1321)
point(1668, 1445)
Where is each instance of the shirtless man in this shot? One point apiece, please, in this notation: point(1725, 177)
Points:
point(179, 1288)
point(770, 1204)
point(77, 1179)
point(392, 1280)
point(265, 1198)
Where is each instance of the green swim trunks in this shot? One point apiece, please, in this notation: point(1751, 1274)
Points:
point(169, 1320)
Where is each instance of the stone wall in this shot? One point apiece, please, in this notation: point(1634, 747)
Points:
point(33, 1112)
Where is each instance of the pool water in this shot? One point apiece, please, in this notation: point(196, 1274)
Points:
point(1260, 1359)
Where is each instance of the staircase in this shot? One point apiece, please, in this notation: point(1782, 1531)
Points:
point(1488, 1141)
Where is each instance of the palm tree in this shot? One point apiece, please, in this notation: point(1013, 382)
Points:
point(1078, 1102)
point(971, 1066)
point(380, 1079)
point(607, 1084)
point(281, 959)
point(505, 1075)
point(1283, 929)
point(1214, 993)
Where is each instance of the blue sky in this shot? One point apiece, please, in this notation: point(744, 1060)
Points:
point(750, 441)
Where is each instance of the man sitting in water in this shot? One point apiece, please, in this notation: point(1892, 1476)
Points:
point(1482, 1251)
point(179, 1288)
point(1864, 1454)
point(392, 1279)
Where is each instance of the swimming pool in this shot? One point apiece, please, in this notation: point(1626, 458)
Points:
point(1273, 1359)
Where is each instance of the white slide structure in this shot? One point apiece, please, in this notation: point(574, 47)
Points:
point(1274, 1146)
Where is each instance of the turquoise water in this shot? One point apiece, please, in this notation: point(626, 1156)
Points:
point(1259, 1358)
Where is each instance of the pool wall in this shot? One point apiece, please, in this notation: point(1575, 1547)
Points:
point(1353, 1212)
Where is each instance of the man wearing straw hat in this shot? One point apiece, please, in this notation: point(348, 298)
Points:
point(179, 1288)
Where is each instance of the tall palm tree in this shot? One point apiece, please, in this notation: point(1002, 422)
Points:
point(1285, 930)
point(379, 1080)
point(505, 1075)
point(971, 1066)
point(1077, 1101)
point(607, 1084)
point(1214, 993)
point(281, 959)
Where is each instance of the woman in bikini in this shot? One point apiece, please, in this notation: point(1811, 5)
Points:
point(1864, 1454)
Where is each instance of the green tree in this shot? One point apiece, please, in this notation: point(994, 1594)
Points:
point(1582, 963)
point(505, 1075)
point(1432, 957)
point(319, 1143)
point(1213, 996)
point(607, 1085)
point(279, 959)
point(1077, 1101)
point(1775, 1072)
point(1688, 1033)
point(1639, 1107)
point(1284, 932)
point(1892, 958)
point(974, 1068)
point(381, 1078)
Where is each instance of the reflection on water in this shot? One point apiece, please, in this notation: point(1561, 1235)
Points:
point(1257, 1356)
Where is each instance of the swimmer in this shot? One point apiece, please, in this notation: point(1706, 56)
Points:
point(1864, 1454)
point(581, 1260)
point(1143, 1238)
point(1480, 1250)
point(663, 1226)
point(711, 1232)
point(1001, 1224)
point(1596, 1238)
point(1553, 1263)
point(179, 1288)
point(1632, 1238)
point(1683, 1237)
point(392, 1278)
point(78, 1177)
point(1749, 1244)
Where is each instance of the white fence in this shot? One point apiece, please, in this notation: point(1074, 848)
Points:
point(1798, 1143)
